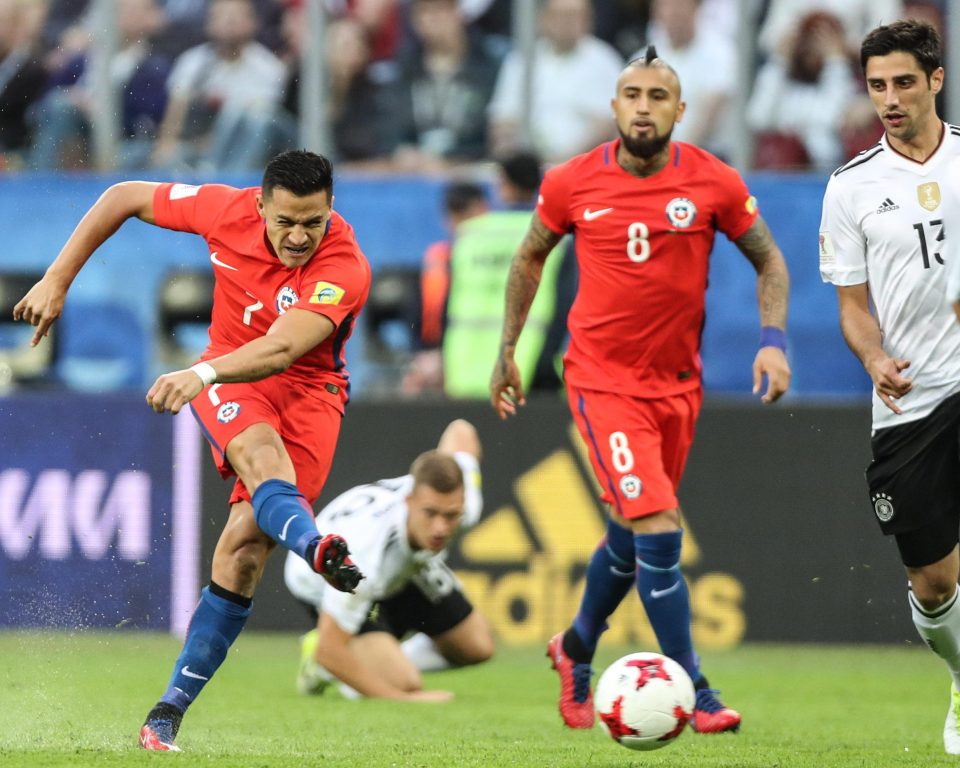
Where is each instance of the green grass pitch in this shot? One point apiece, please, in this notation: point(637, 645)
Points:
point(78, 700)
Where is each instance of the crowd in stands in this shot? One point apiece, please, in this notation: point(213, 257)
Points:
point(436, 87)
point(426, 85)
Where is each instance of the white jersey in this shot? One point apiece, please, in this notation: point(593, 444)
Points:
point(951, 207)
point(883, 224)
point(373, 520)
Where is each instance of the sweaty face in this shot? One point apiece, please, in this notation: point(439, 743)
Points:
point(433, 517)
point(900, 93)
point(646, 107)
point(295, 225)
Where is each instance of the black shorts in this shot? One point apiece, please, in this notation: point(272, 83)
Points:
point(410, 610)
point(432, 602)
point(914, 483)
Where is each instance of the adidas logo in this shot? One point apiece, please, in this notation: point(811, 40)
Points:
point(888, 205)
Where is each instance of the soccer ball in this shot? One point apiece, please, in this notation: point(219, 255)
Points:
point(644, 700)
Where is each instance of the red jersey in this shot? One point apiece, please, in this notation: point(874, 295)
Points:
point(253, 288)
point(643, 248)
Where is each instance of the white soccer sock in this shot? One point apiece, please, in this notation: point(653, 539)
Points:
point(940, 629)
point(422, 651)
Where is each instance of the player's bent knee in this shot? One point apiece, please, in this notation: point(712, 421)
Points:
point(932, 594)
point(258, 454)
point(480, 651)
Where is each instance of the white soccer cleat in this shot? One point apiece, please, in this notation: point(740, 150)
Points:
point(951, 728)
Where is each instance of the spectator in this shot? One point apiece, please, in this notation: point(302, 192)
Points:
point(446, 82)
point(706, 63)
point(62, 119)
point(483, 248)
point(22, 78)
point(857, 16)
point(357, 107)
point(222, 96)
point(813, 77)
point(462, 200)
point(381, 20)
point(572, 72)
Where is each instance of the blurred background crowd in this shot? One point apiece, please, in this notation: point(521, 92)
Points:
point(424, 85)
point(441, 116)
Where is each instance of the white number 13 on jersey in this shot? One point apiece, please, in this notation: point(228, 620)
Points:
point(638, 242)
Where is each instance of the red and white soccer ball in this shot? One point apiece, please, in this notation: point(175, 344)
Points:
point(644, 700)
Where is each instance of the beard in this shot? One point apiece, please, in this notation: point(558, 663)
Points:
point(645, 148)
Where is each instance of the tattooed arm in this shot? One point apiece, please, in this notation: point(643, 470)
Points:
point(773, 288)
point(506, 389)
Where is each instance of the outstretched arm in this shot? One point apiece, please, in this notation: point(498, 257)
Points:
point(460, 436)
point(862, 333)
point(506, 389)
point(43, 304)
point(773, 289)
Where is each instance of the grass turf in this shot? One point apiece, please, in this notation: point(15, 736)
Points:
point(78, 699)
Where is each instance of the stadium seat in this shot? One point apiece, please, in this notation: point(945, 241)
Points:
point(184, 306)
point(103, 348)
point(19, 362)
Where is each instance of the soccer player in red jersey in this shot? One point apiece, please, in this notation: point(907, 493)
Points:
point(271, 387)
point(645, 212)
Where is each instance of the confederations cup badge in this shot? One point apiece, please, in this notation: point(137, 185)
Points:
point(681, 212)
point(883, 507)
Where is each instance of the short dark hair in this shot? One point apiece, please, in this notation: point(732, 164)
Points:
point(460, 196)
point(918, 38)
point(522, 169)
point(300, 172)
point(437, 470)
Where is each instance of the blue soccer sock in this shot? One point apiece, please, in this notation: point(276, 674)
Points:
point(281, 512)
point(610, 574)
point(216, 622)
point(665, 597)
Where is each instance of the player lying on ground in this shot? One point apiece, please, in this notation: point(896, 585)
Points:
point(398, 529)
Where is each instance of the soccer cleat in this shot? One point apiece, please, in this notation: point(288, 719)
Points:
point(576, 700)
point(951, 728)
point(710, 715)
point(160, 729)
point(331, 559)
point(312, 678)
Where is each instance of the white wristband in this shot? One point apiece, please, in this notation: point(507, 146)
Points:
point(206, 373)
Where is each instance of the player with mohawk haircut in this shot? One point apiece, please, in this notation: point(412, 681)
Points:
point(644, 211)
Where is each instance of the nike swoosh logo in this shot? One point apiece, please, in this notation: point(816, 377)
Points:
point(589, 215)
point(187, 673)
point(215, 260)
point(286, 525)
point(655, 593)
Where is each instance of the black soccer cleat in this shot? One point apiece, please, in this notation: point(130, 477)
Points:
point(331, 559)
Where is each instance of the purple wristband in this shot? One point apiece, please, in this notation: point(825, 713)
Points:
point(771, 336)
